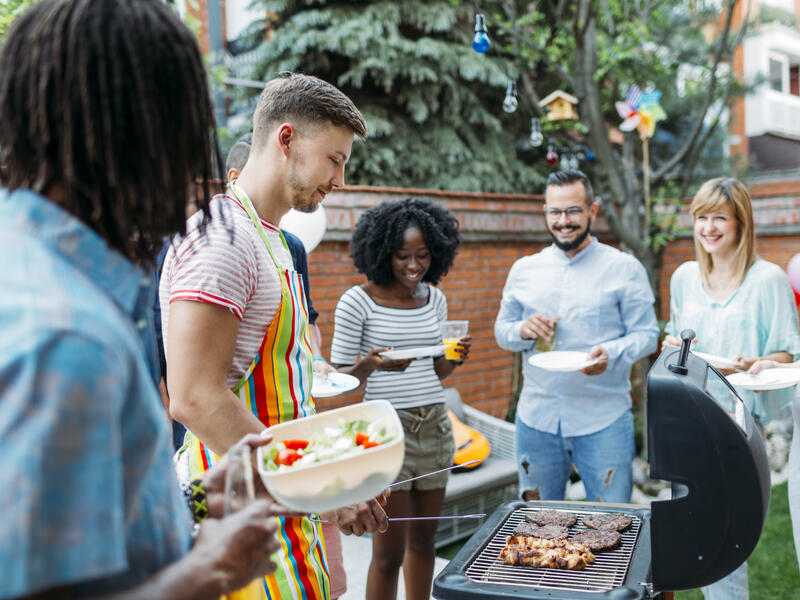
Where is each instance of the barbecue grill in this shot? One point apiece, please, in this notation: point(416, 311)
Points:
point(717, 465)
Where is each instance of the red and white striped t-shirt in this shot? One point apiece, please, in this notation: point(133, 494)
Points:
point(229, 267)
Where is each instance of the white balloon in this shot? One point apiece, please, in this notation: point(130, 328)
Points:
point(309, 227)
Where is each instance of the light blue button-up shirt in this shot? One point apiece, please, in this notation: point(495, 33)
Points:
point(89, 496)
point(758, 319)
point(603, 297)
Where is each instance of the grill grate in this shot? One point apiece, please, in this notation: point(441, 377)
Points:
point(608, 571)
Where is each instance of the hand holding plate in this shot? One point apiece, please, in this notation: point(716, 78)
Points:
point(762, 364)
point(322, 368)
point(378, 363)
point(600, 366)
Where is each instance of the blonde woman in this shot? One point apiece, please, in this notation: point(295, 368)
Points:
point(740, 307)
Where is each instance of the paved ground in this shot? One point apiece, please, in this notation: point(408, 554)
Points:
point(357, 552)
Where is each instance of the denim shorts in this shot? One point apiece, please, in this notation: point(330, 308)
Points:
point(429, 446)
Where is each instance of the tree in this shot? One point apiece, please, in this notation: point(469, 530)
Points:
point(432, 105)
point(596, 50)
point(10, 10)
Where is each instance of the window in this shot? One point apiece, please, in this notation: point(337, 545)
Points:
point(776, 74)
point(784, 74)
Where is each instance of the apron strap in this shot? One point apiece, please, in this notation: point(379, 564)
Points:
point(246, 203)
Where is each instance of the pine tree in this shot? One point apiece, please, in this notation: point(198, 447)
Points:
point(432, 104)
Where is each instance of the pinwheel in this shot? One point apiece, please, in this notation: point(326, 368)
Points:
point(641, 111)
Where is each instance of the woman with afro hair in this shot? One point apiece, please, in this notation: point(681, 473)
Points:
point(403, 248)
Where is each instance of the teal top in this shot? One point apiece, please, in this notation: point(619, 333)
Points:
point(759, 318)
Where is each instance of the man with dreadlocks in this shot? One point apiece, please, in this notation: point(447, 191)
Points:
point(234, 314)
point(104, 123)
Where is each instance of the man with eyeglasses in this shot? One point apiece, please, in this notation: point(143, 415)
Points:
point(602, 303)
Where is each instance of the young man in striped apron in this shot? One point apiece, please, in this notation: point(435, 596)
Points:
point(234, 312)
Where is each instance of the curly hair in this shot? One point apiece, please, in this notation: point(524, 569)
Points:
point(379, 233)
point(107, 100)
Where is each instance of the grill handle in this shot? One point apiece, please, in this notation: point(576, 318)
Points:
point(679, 368)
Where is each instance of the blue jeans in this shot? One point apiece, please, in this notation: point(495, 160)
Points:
point(730, 587)
point(604, 461)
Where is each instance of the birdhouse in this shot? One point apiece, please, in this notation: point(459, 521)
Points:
point(560, 105)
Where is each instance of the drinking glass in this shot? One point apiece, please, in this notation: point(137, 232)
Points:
point(546, 345)
point(239, 492)
point(452, 332)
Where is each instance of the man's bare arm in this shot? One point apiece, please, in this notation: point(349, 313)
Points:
point(200, 347)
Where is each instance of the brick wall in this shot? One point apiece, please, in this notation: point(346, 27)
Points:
point(776, 207)
point(498, 229)
point(473, 290)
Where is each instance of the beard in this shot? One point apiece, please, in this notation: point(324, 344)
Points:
point(304, 203)
point(579, 239)
point(302, 197)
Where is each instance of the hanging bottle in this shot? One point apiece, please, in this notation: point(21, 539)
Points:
point(537, 137)
point(480, 43)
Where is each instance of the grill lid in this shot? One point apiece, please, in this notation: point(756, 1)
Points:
point(717, 464)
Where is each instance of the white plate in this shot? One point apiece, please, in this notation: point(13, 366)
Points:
point(768, 379)
point(324, 486)
point(422, 352)
point(335, 384)
point(561, 360)
point(718, 361)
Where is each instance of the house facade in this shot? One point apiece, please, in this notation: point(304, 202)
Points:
point(765, 125)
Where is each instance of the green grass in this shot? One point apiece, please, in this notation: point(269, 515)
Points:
point(772, 568)
point(450, 550)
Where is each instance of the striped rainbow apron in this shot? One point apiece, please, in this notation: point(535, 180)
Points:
point(277, 388)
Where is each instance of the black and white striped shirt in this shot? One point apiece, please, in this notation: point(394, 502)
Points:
point(361, 324)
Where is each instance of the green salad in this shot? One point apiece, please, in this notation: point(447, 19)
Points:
point(345, 439)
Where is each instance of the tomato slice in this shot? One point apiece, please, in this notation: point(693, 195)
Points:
point(296, 444)
point(361, 438)
point(369, 444)
point(287, 457)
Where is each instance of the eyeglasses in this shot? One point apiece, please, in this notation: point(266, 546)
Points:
point(573, 213)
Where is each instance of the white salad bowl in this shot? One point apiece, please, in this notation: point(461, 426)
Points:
point(328, 485)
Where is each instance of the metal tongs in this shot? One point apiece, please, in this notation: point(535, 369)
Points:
point(473, 516)
point(466, 464)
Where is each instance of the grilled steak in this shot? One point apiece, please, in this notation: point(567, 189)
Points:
point(598, 540)
point(552, 554)
point(549, 532)
point(612, 521)
point(552, 517)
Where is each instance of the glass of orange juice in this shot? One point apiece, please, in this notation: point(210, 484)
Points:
point(452, 332)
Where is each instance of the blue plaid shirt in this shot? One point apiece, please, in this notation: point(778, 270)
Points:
point(89, 496)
